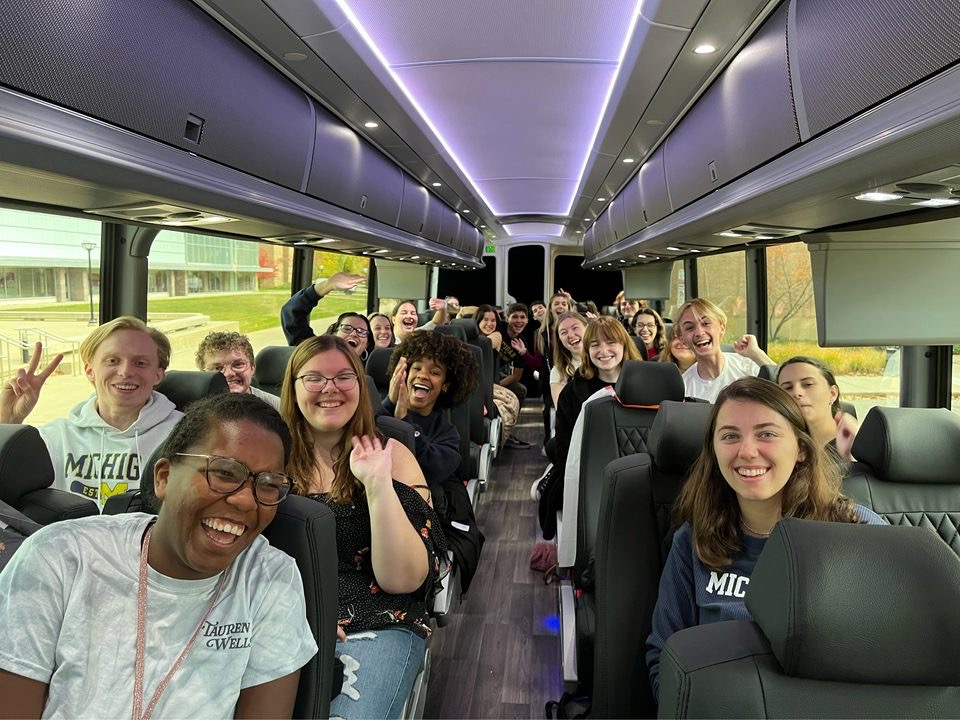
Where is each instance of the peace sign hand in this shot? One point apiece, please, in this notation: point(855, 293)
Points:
point(19, 396)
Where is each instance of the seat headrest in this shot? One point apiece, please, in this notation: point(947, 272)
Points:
point(25, 463)
point(456, 331)
point(377, 363)
point(910, 445)
point(469, 327)
point(271, 361)
point(676, 437)
point(649, 383)
point(870, 604)
point(183, 387)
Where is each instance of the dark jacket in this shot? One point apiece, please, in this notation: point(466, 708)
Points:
point(295, 315)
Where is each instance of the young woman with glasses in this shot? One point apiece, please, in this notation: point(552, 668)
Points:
point(388, 542)
point(648, 326)
point(295, 313)
point(81, 599)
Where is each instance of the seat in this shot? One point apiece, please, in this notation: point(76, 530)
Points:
point(491, 421)
point(907, 469)
point(612, 427)
point(26, 474)
point(271, 362)
point(854, 621)
point(307, 531)
point(377, 363)
point(634, 533)
point(182, 387)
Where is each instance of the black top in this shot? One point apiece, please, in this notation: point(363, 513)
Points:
point(437, 443)
point(295, 315)
point(571, 400)
point(363, 605)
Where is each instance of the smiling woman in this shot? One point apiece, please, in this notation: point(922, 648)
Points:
point(202, 569)
point(758, 464)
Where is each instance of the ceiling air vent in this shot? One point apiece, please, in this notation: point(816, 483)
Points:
point(162, 214)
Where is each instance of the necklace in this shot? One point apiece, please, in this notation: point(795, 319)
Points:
point(754, 532)
point(141, 637)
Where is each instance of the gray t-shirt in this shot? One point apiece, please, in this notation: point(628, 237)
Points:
point(68, 617)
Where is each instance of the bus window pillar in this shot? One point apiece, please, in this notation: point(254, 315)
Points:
point(926, 373)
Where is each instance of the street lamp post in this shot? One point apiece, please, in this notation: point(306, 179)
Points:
point(89, 246)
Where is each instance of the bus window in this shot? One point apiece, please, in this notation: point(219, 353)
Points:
point(601, 287)
point(525, 269)
point(201, 284)
point(722, 280)
point(866, 376)
point(470, 287)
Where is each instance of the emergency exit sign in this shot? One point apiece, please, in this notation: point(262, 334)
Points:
point(492, 249)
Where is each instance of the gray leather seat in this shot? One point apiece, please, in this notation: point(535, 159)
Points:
point(26, 474)
point(908, 469)
point(271, 361)
point(634, 534)
point(182, 387)
point(613, 427)
point(853, 621)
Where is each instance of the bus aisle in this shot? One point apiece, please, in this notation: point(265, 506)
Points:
point(499, 657)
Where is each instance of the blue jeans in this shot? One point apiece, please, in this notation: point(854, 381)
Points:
point(379, 669)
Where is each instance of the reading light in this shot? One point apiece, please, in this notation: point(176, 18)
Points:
point(465, 211)
point(601, 199)
point(675, 249)
point(729, 233)
point(628, 160)
point(877, 196)
point(371, 124)
point(381, 251)
point(763, 237)
point(436, 184)
point(937, 202)
point(704, 49)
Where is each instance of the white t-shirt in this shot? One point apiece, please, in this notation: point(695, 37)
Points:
point(68, 617)
point(555, 376)
point(734, 367)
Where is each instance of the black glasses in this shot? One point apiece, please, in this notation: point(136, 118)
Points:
point(226, 476)
point(315, 383)
point(346, 329)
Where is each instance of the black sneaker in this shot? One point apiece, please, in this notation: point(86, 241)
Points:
point(540, 484)
point(513, 442)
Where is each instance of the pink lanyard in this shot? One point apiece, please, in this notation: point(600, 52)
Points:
point(141, 637)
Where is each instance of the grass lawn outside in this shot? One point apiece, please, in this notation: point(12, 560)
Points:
point(254, 310)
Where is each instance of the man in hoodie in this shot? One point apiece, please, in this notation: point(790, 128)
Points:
point(97, 450)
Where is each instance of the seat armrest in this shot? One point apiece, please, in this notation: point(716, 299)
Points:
point(49, 505)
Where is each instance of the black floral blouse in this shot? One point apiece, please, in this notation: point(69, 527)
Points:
point(363, 605)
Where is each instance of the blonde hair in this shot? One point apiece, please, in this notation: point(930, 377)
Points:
point(303, 461)
point(702, 308)
point(91, 343)
point(562, 358)
point(608, 329)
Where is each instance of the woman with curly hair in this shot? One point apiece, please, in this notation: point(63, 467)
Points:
point(428, 373)
point(759, 464)
point(388, 543)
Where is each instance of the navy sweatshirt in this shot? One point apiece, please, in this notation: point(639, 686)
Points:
point(693, 594)
point(295, 315)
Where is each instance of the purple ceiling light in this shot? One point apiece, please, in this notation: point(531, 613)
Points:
point(515, 91)
point(531, 228)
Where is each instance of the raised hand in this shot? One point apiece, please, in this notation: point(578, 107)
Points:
point(371, 462)
point(847, 428)
point(518, 345)
point(338, 281)
point(745, 345)
point(398, 393)
point(437, 304)
point(19, 396)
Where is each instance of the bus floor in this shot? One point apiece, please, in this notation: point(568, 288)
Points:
point(499, 657)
